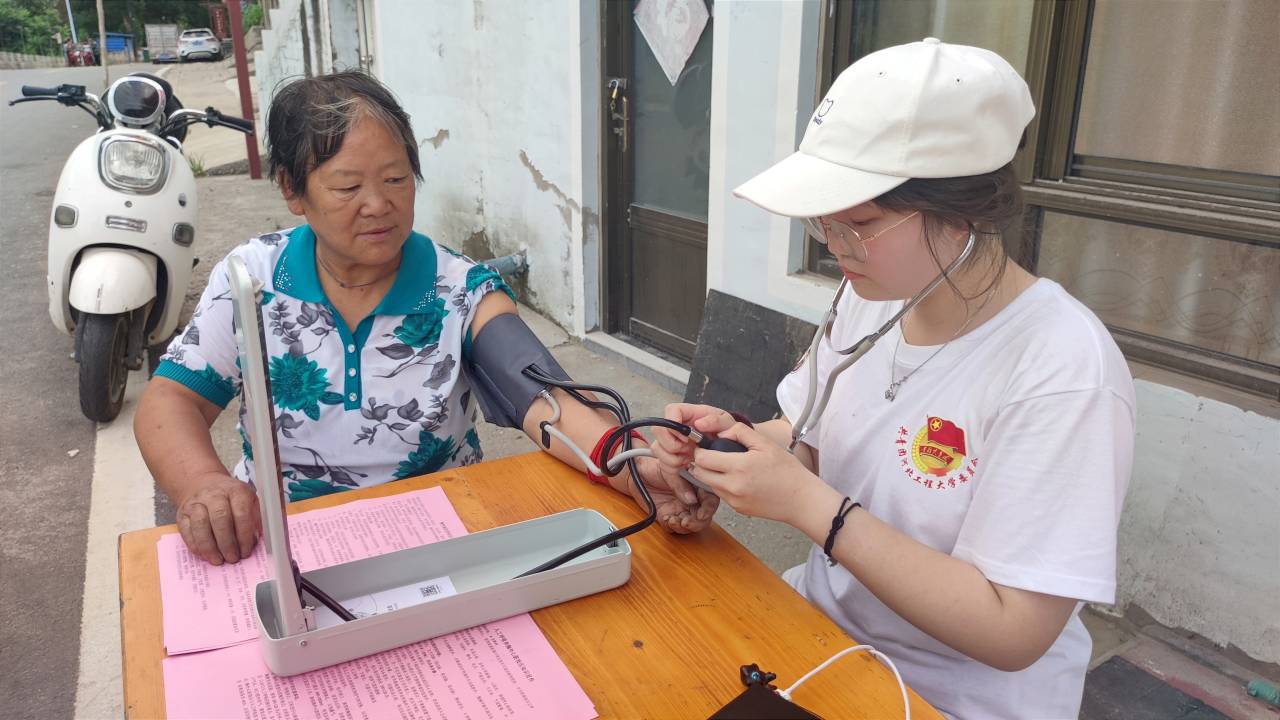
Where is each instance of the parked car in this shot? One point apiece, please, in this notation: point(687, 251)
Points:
point(199, 42)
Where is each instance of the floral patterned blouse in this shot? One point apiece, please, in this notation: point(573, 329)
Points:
point(352, 410)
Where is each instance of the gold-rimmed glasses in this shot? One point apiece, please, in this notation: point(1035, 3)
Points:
point(824, 228)
point(816, 404)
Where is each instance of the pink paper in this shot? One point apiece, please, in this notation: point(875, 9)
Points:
point(503, 669)
point(211, 606)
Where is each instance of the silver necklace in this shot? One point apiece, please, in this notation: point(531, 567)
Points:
point(352, 286)
point(891, 392)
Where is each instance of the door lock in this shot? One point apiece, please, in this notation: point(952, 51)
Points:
point(620, 111)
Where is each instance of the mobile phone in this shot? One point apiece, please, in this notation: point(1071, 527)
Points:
point(761, 702)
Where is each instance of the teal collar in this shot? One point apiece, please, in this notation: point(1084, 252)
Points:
point(413, 291)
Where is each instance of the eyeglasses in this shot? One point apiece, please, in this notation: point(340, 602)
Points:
point(814, 404)
point(824, 228)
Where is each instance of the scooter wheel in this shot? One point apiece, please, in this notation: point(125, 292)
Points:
point(103, 369)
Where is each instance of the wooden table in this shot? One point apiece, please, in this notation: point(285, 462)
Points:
point(668, 644)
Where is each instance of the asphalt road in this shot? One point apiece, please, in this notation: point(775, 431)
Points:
point(44, 492)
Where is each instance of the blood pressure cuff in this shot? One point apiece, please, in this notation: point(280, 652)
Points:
point(500, 353)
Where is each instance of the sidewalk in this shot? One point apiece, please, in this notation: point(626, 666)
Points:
point(212, 150)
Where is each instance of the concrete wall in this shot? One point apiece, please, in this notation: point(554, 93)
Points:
point(22, 61)
point(762, 93)
point(343, 40)
point(281, 56)
point(1200, 535)
point(504, 99)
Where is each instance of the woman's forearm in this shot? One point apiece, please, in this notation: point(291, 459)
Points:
point(172, 429)
point(947, 598)
point(583, 425)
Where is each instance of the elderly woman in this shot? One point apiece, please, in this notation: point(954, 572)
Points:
point(368, 325)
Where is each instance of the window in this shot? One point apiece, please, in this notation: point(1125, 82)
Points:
point(854, 29)
point(1152, 168)
point(1208, 123)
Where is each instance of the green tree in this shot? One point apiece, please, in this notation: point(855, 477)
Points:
point(132, 16)
point(252, 17)
point(29, 26)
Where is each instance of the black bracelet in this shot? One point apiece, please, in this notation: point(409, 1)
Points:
point(837, 522)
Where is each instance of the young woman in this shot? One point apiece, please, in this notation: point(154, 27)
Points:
point(964, 482)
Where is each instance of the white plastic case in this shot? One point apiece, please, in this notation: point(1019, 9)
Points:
point(475, 576)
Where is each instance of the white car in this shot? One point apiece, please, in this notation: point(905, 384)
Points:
point(199, 42)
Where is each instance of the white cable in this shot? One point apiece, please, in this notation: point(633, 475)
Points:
point(550, 427)
point(786, 694)
point(616, 461)
point(555, 406)
point(586, 460)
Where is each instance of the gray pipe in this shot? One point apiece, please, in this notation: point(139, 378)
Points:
point(516, 263)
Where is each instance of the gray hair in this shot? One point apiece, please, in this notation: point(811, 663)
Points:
point(309, 119)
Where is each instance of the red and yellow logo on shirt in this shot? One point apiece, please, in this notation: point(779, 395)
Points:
point(937, 454)
point(938, 447)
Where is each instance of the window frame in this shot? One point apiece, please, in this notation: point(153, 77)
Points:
point(1220, 204)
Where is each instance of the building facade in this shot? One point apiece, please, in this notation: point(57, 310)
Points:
point(603, 139)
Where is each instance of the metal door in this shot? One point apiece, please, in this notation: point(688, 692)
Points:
point(657, 151)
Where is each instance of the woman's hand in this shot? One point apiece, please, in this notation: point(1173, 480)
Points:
point(675, 451)
point(765, 481)
point(674, 513)
point(219, 522)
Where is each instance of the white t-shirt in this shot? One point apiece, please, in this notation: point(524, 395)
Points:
point(1010, 450)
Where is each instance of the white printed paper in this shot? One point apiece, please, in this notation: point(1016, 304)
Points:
point(387, 600)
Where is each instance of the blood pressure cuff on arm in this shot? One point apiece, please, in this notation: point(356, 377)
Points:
point(500, 353)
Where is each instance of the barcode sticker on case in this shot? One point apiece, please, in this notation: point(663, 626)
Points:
point(388, 600)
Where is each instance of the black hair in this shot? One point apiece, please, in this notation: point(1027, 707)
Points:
point(309, 119)
point(990, 205)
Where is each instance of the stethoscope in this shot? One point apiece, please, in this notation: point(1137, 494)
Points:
point(810, 415)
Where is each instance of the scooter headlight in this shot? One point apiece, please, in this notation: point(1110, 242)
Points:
point(133, 164)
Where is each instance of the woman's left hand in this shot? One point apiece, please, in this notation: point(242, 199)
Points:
point(674, 514)
point(765, 481)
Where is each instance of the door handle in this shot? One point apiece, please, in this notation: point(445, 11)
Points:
point(620, 111)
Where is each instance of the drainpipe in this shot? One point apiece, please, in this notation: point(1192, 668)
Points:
point(516, 263)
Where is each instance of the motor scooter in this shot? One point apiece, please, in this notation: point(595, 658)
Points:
point(121, 231)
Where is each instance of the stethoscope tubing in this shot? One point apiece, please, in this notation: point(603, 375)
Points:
point(811, 413)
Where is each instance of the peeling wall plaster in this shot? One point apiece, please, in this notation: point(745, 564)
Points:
point(494, 130)
point(500, 129)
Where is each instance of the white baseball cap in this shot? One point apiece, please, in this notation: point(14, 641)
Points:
point(926, 109)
